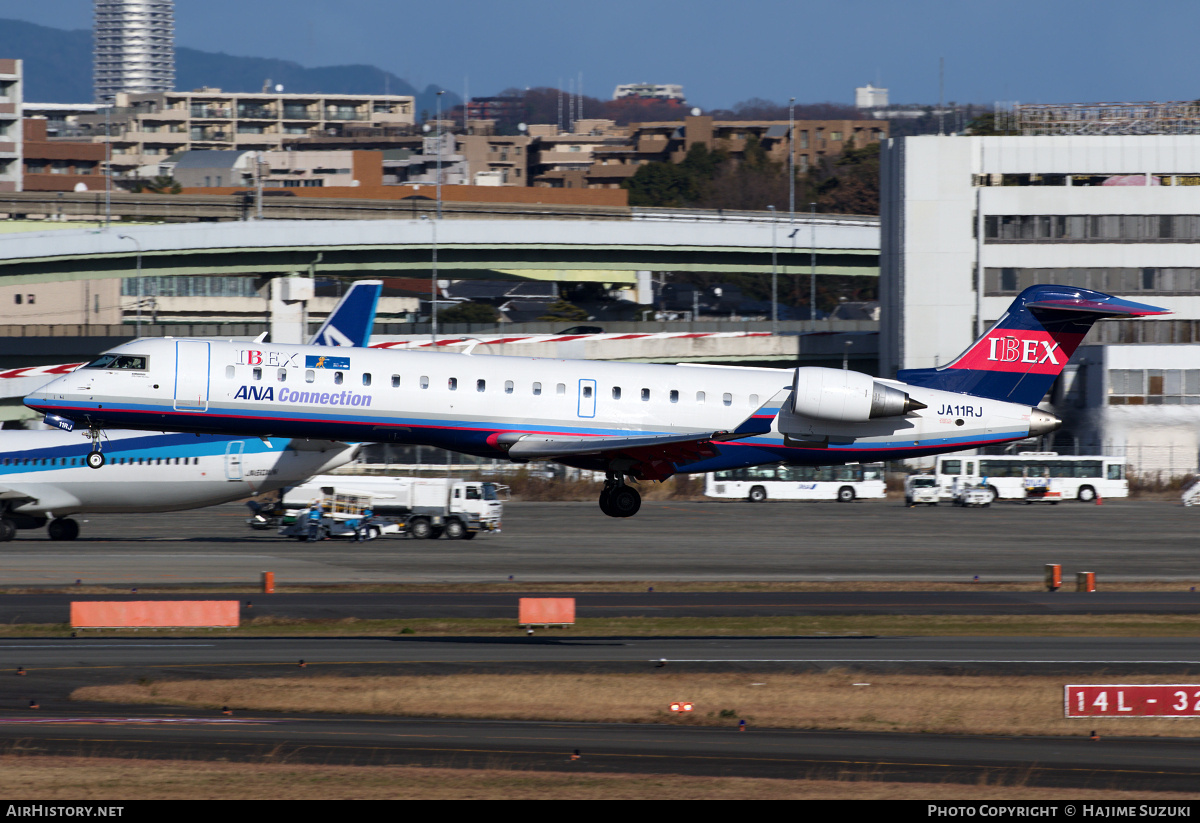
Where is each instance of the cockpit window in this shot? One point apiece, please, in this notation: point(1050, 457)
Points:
point(130, 362)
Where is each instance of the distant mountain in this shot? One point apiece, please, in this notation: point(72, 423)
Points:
point(58, 69)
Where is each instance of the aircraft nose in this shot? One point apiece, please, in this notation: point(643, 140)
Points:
point(1042, 422)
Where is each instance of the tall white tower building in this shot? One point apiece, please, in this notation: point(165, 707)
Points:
point(134, 47)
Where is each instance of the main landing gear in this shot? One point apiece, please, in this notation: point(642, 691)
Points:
point(617, 499)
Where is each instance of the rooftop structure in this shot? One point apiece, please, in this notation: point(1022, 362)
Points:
point(649, 91)
point(869, 97)
point(134, 47)
point(1103, 118)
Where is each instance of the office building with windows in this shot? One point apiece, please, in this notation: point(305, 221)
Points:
point(968, 222)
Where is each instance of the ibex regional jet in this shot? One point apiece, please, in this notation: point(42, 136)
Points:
point(637, 421)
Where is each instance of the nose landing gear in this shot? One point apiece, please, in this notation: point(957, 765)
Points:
point(618, 499)
point(95, 458)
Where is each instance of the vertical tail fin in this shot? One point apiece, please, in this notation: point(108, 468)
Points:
point(1019, 358)
point(351, 321)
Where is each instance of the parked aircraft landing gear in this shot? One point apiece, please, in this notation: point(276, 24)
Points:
point(63, 528)
point(619, 500)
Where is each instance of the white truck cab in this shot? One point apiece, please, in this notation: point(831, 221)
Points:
point(921, 488)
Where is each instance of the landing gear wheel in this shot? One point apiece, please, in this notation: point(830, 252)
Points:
point(623, 501)
point(95, 460)
point(8, 530)
point(64, 528)
point(604, 506)
point(455, 530)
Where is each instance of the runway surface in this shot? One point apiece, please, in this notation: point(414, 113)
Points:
point(714, 541)
point(62, 727)
point(565, 542)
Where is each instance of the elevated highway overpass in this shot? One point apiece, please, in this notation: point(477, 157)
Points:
point(559, 248)
point(603, 247)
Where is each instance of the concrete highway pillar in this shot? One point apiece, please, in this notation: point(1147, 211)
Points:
point(645, 288)
point(289, 308)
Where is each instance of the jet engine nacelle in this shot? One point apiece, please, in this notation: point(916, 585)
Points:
point(846, 396)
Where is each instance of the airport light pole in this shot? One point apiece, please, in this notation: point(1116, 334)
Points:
point(812, 263)
point(439, 159)
point(792, 160)
point(433, 287)
point(774, 278)
point(135, 241)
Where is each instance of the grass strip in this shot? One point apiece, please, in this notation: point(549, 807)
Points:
point(836, 700)
point(950, 625)
point(639, 586)
point(36, 778)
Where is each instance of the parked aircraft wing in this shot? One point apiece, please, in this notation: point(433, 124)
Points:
point(9, 493)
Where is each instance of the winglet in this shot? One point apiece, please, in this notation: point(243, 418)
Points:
point(351, 321)
point(759, 422)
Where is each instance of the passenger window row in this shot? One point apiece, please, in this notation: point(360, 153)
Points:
point(115, 461)
point(310, 376)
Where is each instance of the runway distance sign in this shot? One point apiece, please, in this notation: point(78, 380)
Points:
point(1132, 700)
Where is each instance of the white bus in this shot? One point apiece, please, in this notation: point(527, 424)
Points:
point(1074, 477)
point(783, 482)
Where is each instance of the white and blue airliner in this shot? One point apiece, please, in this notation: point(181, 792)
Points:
point(631, 421)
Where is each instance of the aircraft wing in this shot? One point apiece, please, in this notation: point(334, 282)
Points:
point(653, 456)
point(9, 493)
point(40, 497)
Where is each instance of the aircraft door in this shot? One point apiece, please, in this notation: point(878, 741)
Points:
point(191, 375)
point(233, 459)
point(587, 398)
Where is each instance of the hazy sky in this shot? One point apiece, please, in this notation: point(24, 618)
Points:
point(721, 52)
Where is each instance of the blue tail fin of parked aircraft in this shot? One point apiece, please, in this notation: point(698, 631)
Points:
point(1019, 358)
point(350, 323)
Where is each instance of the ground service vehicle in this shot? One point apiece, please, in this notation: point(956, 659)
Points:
point(424, 507)
point(1073, 477)
point(759, 483)
point(342, 513)
point(629, 420)
point(920, 488)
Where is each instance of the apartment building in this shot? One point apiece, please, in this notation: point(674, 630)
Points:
point(144, 129)
point(58, 165)
point(621, 151)
point(134, 47)
point(11, 136)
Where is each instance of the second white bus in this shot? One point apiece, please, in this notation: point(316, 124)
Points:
point(783, 482)
point(1075, 477)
